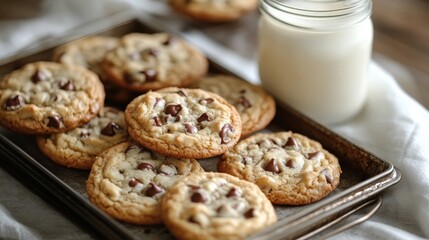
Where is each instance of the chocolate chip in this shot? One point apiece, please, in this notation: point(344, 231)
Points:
point(157, 121)
point(54, 121)
point(234, 192)
point(206, 101)
point(198, 197)
point(243, 91)
point(153, 190)
point(133, 182)
point(14, 103)
point(150, 74)
point(244, 102)
point(145, 166)
point(39, 75)
point(272, 166)
point(173, 109)
point(291, 142)
point(328, 176)
point(190, 128)
point(68, 86)
point(290, 164)
point(224, 132)
point(203, 117)
point(110, 129)
point(313, 154)
point(249, 213)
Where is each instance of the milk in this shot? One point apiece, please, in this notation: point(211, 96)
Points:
point(323, 74)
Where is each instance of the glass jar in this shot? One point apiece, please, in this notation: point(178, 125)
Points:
point(314, 55)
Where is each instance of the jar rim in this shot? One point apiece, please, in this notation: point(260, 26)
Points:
point(318, 14)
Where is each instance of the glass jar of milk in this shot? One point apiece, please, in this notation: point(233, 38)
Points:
point(314, 55)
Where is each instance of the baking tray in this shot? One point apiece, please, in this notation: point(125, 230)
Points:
point(364, 176)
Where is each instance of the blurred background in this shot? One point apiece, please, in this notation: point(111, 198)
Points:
point(401, 42)
point(401, 34)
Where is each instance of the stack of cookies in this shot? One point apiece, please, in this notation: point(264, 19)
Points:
point(143, 161)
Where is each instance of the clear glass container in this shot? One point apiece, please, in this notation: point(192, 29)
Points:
point(314, 55)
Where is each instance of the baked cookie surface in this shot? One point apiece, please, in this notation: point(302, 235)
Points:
point(128, 182)
point(214, 10)
point(89, 53)
point(215, 206)
point(255, 106)
point(48, 97)
point(288, 167)
point(79, 147)
point(189, 123)
point(145, 62)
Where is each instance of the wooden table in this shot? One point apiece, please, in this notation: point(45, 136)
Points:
point(401, 33)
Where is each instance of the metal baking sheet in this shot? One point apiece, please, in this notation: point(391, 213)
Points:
point(364, 176)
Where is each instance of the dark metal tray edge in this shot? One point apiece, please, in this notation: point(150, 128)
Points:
point(53, 190)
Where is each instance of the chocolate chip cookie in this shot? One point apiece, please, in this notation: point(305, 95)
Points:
point(187, 123)
point(90, 52)
point(79, 147)
point(214, 10)
point(48, 97)
point(87, 52)
point(255, 106)
point(215, 206)
point(288, 167)
point(128, 182)
point(145, 62)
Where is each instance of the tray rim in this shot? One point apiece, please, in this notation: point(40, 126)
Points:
point(69, 199)
point(319, 211)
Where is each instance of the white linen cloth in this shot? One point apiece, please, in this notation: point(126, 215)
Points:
point(392, 125)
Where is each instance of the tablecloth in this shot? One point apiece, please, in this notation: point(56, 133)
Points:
point(393, 125)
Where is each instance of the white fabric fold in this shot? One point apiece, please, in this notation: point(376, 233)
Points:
point(395, 127)
point(11, 229)
point(392, 125)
